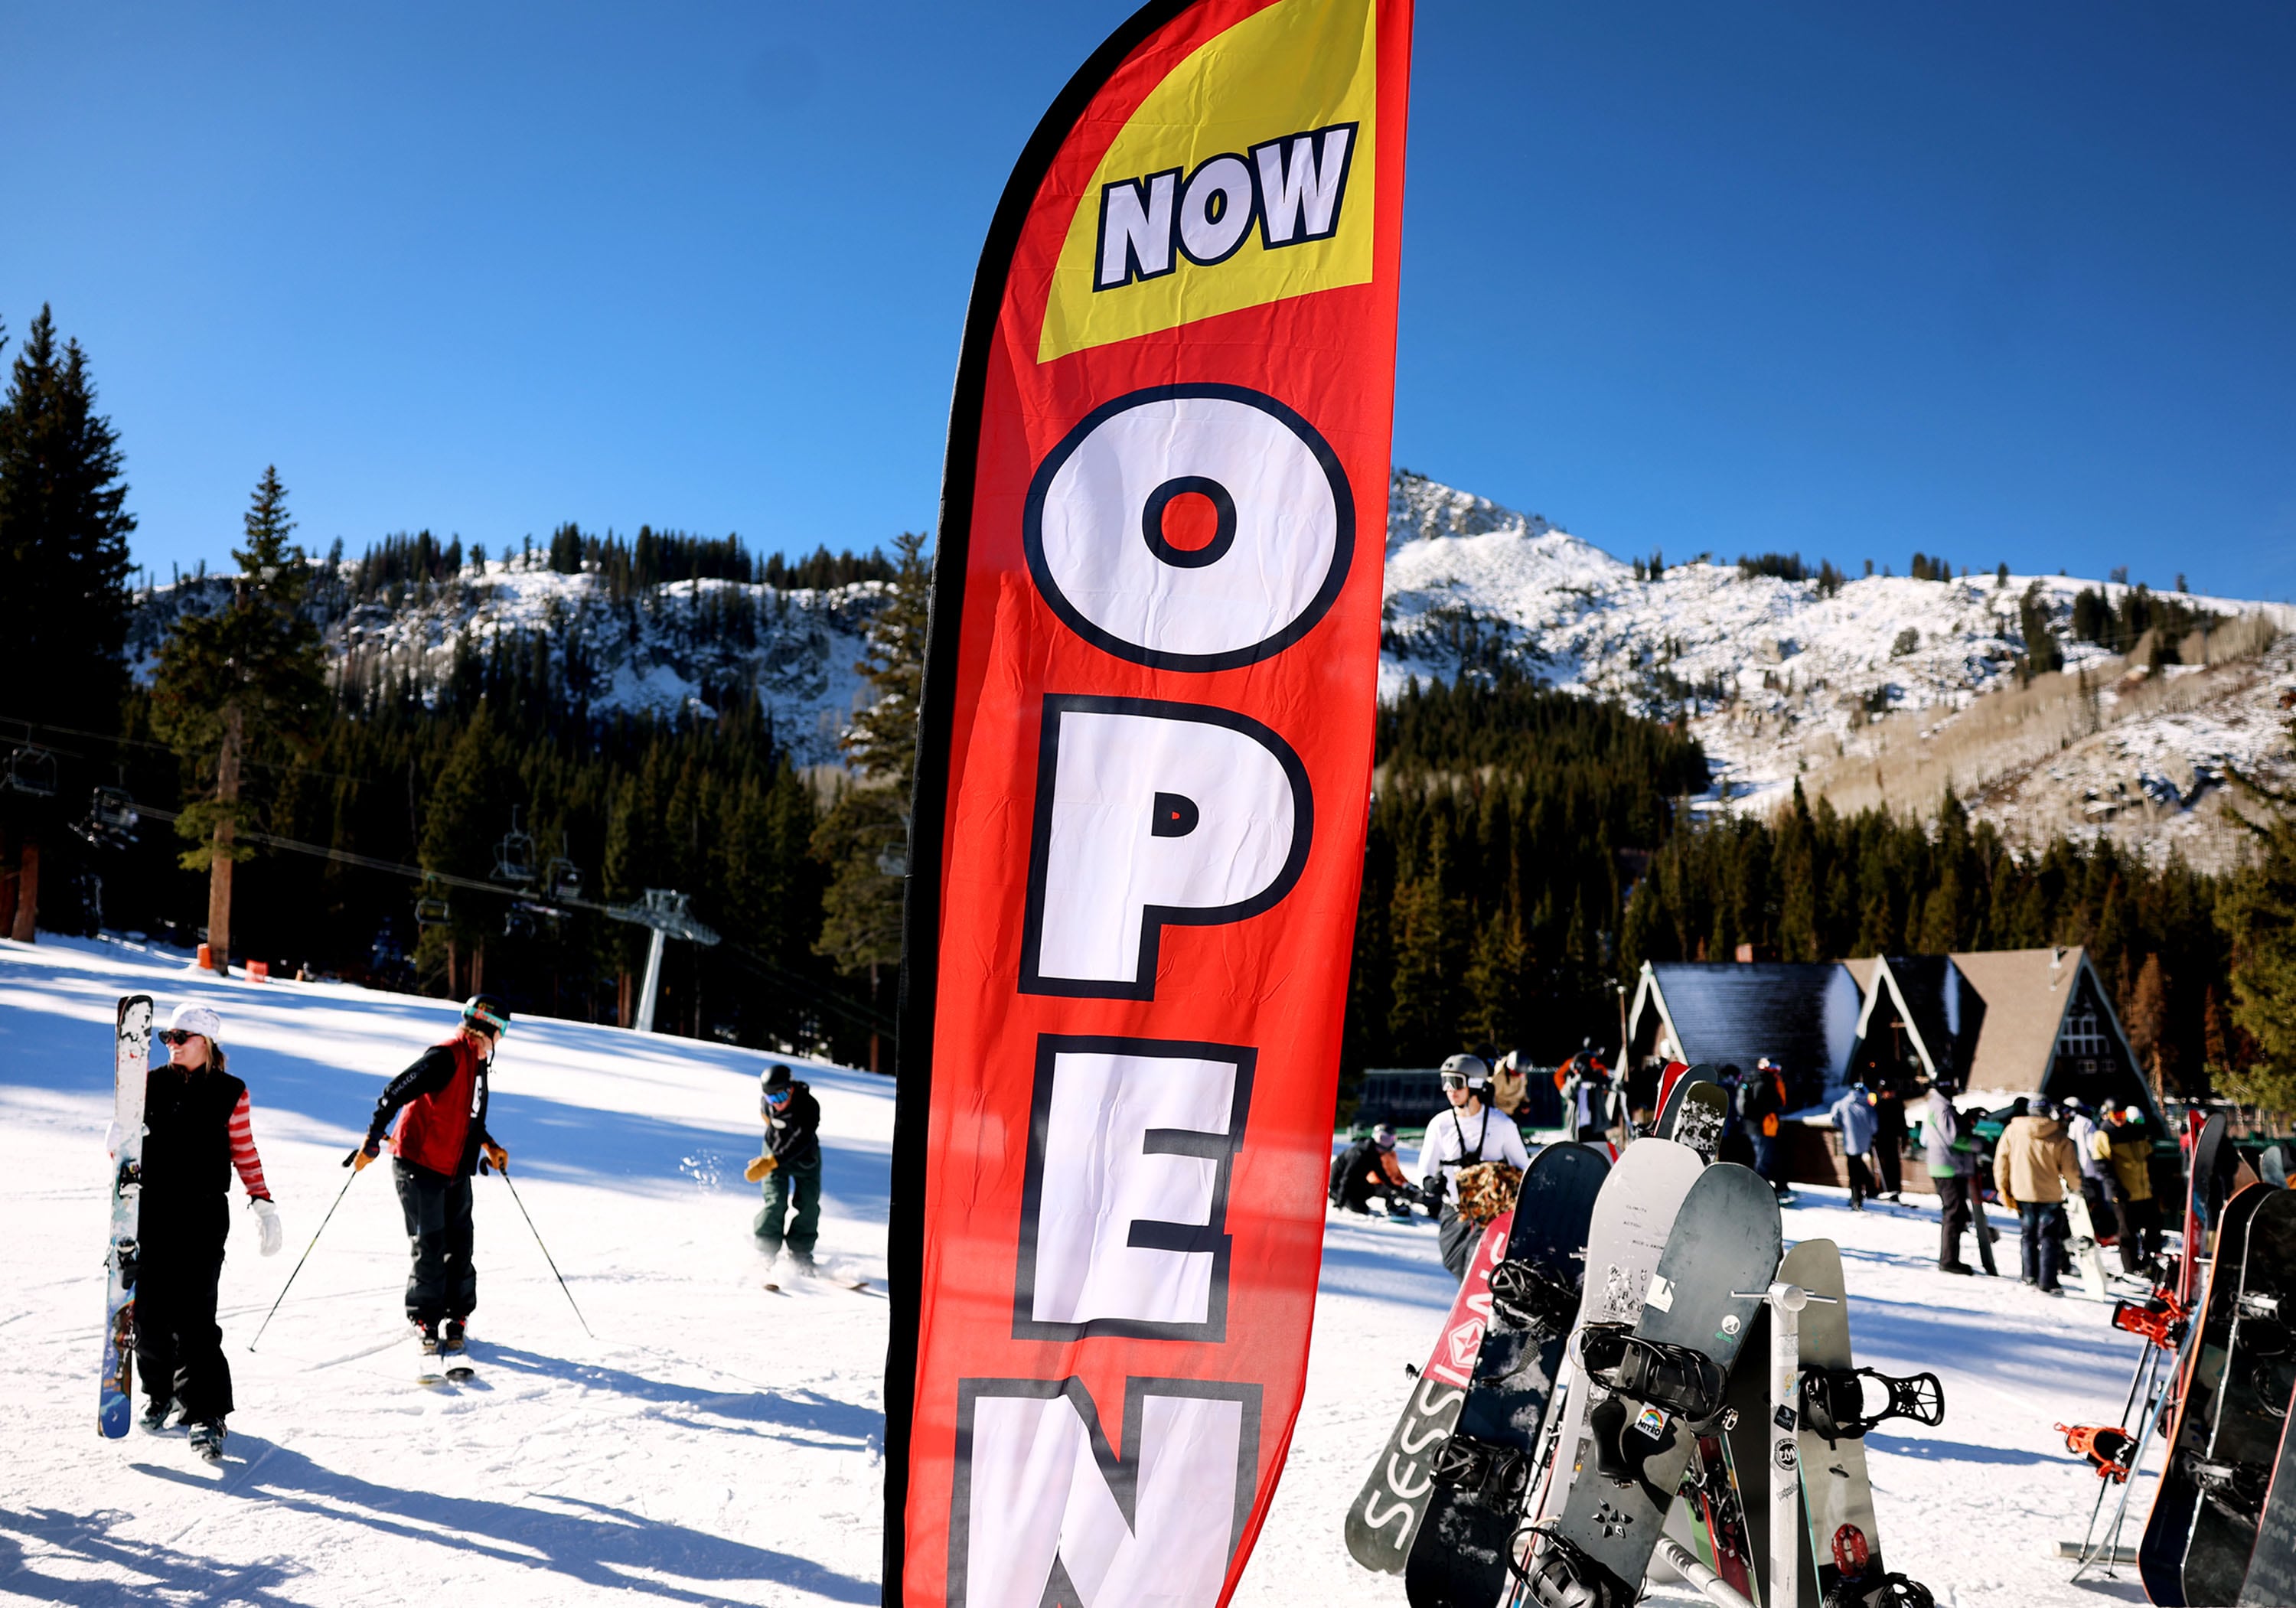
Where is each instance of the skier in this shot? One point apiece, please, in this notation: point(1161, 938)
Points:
point(1368, 1170)
point(1853, 1114)
point(1448, 1147)
point(1952, 1164)
point(440, 1142)
point(790, 1170)
point(2032, 1167)
point(2137, 1213)
point(197, 1131)
point(1762, 1103)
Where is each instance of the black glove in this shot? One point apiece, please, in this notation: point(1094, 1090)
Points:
point(1431, 1194)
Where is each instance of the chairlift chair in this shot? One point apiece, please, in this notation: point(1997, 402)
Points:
point(110, 820)
point(563, 879)
point(31, 769)
point(514, 855)
point(430, 911)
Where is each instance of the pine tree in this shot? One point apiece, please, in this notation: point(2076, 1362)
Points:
point(2258, 915)
point(244, 682)
point(63, 575)
point(864, 836)
point(63, 539)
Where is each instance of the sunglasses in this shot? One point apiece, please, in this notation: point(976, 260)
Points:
point(172, 1037)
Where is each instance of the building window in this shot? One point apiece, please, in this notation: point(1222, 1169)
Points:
point(2083, 1038)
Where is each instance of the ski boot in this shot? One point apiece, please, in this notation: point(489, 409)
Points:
point(1494, 1475)
point(1532, 1296)
point(155, 1412)
point(1833, 1402)
point(1558, 1575)
point(426, 1335)
point(206, 1439)
point(451, 1333)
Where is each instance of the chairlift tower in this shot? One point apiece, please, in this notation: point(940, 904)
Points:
point(663, 909)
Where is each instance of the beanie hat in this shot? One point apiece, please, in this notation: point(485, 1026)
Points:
point(197, 1019)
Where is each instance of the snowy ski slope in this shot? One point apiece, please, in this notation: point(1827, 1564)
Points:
point(715, 1443)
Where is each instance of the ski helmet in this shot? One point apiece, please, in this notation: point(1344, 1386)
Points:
point(488, 1012)
point(1383, 1136)
point(1464, 1071)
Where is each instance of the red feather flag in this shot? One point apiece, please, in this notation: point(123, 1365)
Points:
point(1137, 834)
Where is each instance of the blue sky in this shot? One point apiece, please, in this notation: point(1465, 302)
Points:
point(2001, 283)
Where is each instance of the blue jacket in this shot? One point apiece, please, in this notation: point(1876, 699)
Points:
point(1855, 1118)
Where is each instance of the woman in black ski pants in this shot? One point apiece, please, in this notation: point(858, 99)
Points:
point(196, 1132)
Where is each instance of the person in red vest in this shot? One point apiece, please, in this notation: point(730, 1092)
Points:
point(441, 1141)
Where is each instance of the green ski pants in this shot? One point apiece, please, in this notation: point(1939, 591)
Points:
point(788, 1185)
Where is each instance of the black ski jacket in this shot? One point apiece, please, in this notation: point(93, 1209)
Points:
point(186, 1199)
point(794, 1133)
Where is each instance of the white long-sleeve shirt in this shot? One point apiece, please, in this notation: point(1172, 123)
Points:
point(1454, 1141)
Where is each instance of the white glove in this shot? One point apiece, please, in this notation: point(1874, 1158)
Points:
point(267, 1216)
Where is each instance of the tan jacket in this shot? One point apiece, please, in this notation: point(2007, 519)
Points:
point(1507, 1090)
point(2035, 1164)
point(2132, 1162)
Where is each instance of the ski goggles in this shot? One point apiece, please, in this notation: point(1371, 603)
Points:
point(778, 1096)
point(495, 1026)
point(1456, 1080)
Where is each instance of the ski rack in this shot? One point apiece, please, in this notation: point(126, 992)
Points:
point(2155, 1372)
point(1785, 1302)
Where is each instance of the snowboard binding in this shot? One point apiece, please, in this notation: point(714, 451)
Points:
point(1890, 1591)
point(2159, 1318)
point(1532, 1296)
point(1556, 1574)
point(1498, 1475)
point(2104, 1445)
point(2237, 1488)
point(1680, 1379)
point(1833, 1402)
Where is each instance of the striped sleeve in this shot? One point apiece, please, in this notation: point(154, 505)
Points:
point(242, 1149)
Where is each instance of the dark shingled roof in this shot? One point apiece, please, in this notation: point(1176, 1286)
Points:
point(1801, 1014)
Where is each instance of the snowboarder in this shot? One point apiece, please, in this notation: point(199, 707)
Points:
point(2032, 1167)
point(1762, 1103)
point(197, 1131)
point(440, 1143)
point(1853, 1114)
point(1367, 1170)
point(789, 1170)
point(1952, 1170)
point(1468, 1135)
point(1510, 1088)
point(1889, 1137)
point(2137, 1214)
point(2093, 1151)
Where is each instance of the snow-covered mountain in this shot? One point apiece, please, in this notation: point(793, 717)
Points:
point(1876, 688)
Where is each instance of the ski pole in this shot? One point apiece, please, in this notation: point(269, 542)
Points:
point(299, 1260)
point(504, 1174)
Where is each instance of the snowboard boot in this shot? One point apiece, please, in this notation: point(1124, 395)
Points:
point(155, 1413)
point(206, 1439)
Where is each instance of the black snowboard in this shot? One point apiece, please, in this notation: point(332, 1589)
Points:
point(1458, 1559)
point(2161, 1554)
point(2251, 1406)
point(1702, 1302)
point(2271, 1581)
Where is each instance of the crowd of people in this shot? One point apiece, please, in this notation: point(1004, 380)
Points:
point(2048, 1152)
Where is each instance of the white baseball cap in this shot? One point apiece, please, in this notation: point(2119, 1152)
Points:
point(197, 1019)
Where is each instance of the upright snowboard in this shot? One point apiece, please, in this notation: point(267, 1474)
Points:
point(1459, 1559)
point(2088, 1259)
point(2252, 1393)
point(1652, 1388)
point(2176, 1502)
point(131, 1061)
point(1696, 1110)
point(1385, 1515)
point(1633, 1216)
point(1845, 1539)
point(2271, 1580)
